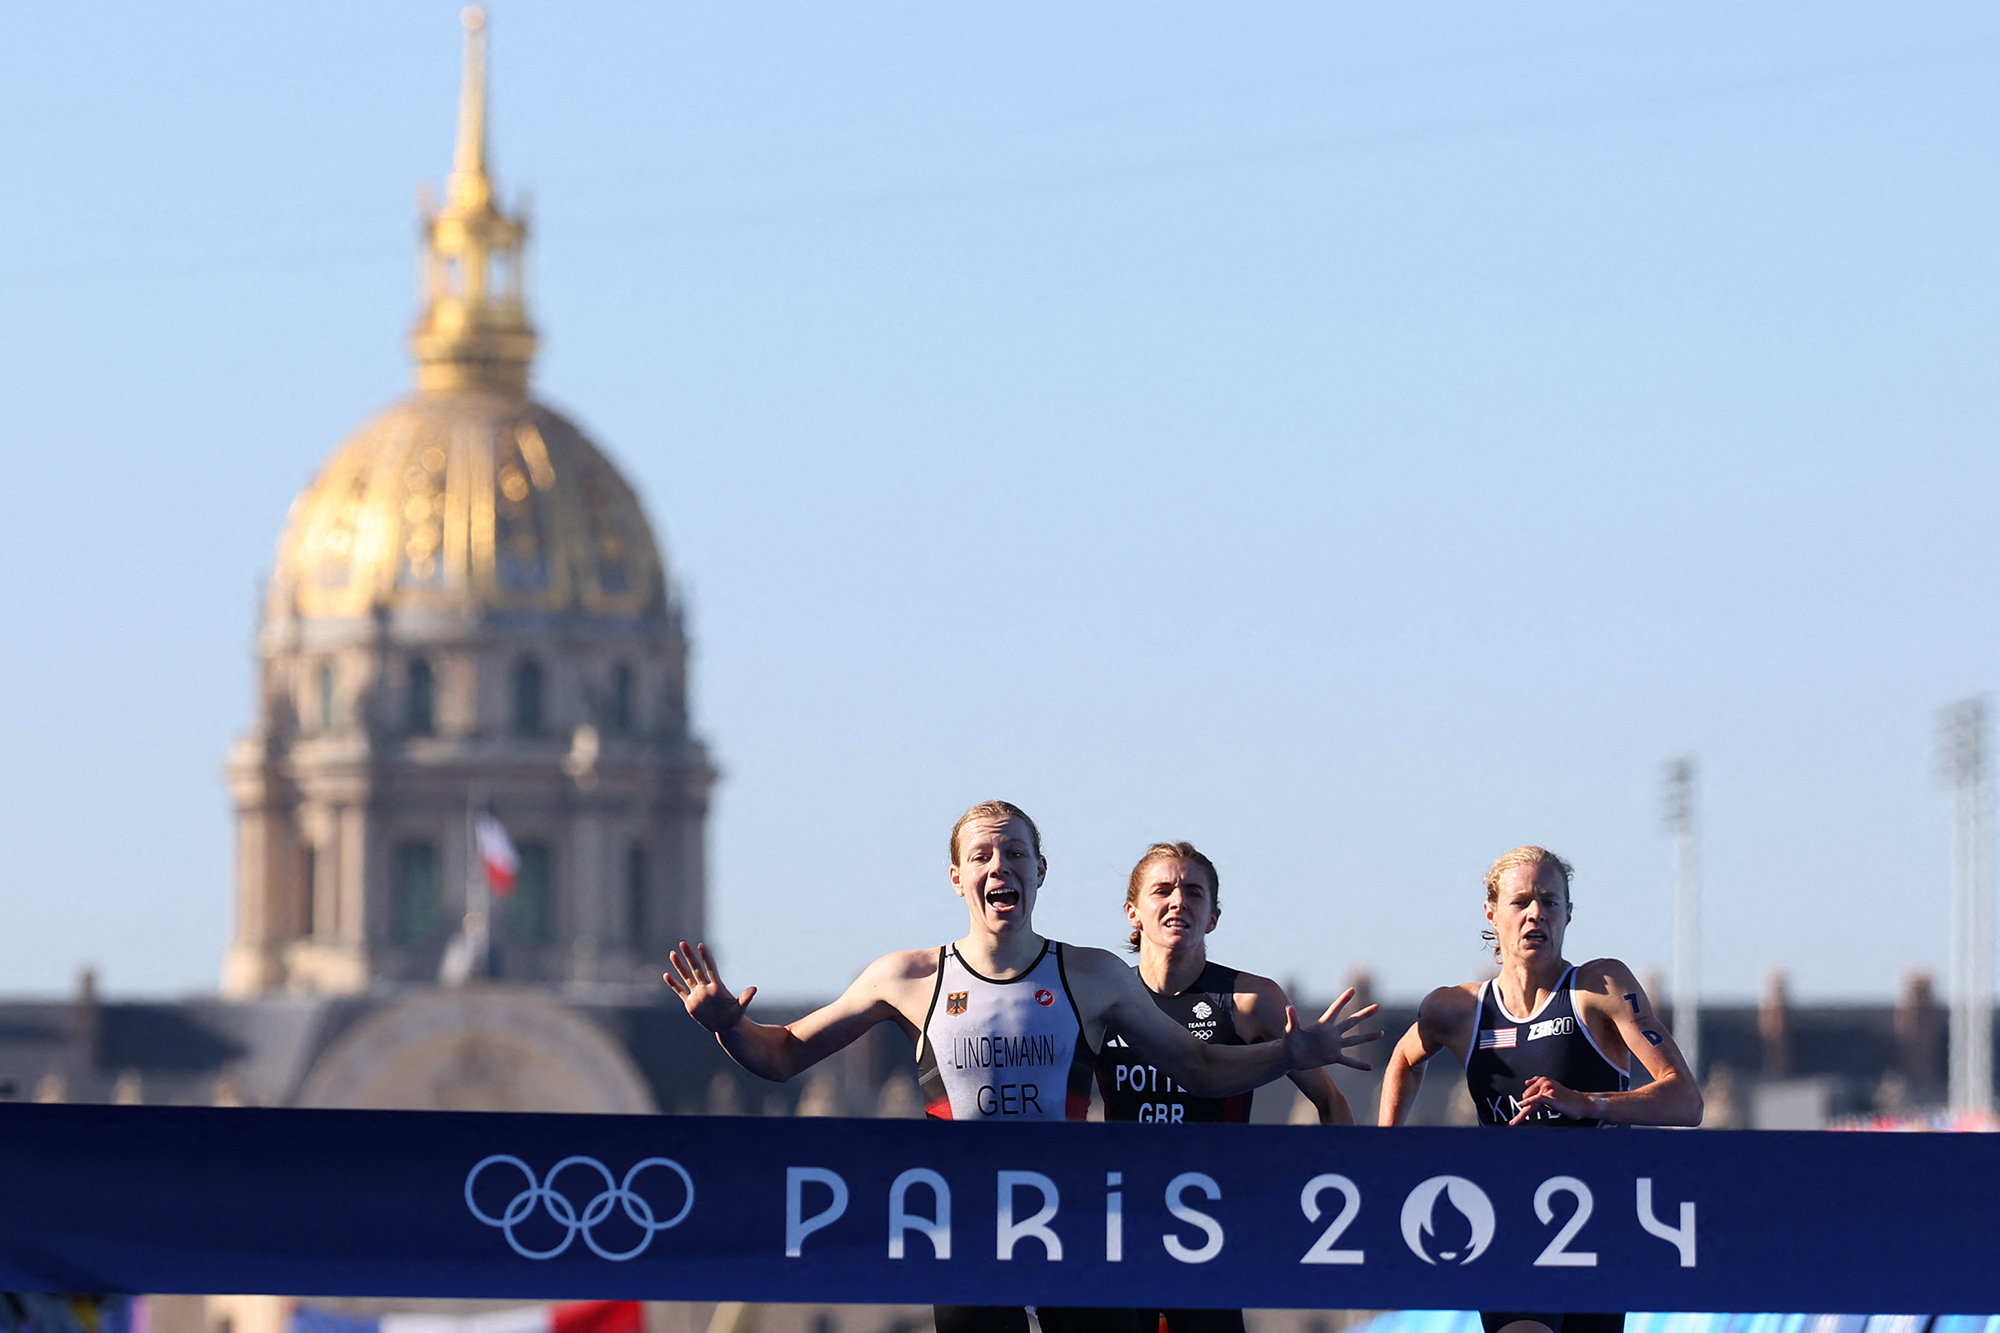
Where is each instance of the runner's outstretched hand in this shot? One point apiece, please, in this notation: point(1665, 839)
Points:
point(694, 977)
point(1311, 1045)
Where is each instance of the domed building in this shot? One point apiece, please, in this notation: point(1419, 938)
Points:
point(469, 613)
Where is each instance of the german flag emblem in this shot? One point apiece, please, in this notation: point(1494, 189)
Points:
point(954, 1003)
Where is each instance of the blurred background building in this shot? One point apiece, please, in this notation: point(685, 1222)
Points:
point(469, 613)
point(468, 609)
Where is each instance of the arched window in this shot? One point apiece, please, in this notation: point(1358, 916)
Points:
point(528, 697)
point(422, 713)
point(326, 683)
point(635, 894)
point(416, 892)
point(621, 697)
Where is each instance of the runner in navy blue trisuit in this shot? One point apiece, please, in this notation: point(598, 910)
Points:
point(1546, 1043)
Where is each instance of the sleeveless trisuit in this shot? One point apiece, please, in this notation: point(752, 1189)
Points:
point(1004, 1050)
point(1008, 1050)
point(1506, 1052)
point(1134, 1089)
point(1551, 1042)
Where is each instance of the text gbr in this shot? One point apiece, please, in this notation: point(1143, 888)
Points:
point(1418, 1228)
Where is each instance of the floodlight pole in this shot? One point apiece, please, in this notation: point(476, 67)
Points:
point(1687, 914)
point(1964, 755)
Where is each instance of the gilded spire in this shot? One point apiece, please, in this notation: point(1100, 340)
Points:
point(469, 184)
point(473, 331)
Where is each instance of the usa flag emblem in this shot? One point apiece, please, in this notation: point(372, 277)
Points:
point(1498, 1039)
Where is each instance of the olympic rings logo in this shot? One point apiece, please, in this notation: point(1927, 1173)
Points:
point(543, 1194)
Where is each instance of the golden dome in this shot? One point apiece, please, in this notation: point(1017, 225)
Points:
point(468, 496)
point(474, 500)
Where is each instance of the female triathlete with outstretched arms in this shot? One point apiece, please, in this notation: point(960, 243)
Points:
point(1007, 1023)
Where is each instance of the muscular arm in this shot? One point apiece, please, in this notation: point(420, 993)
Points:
point(881, 994)
point(1260, 1016)
point(1443, 1020)
point(1613, 998)
point(1110, 993)
point(1326, 1097)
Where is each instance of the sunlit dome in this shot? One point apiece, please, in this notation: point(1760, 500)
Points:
point(467, 500)
point(468, 496)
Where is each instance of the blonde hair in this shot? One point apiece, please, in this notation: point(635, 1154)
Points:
point(1001, 810)
point(1161, 851)
point(1529, 855)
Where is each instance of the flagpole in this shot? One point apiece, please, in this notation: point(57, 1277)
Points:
point(478, 896)
point(465, 958)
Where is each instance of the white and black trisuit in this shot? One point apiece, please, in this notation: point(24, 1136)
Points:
point(1010, 1049)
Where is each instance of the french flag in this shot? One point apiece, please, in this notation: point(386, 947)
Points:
point(575, 1317)
point(496, 849)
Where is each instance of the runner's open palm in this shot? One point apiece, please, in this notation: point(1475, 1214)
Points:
point(695, 978)
point(1312, 1045)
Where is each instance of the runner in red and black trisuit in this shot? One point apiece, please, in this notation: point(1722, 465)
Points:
point(1565, 1060)
point(1173, 901)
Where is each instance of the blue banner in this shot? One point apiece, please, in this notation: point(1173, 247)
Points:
point(388, 1203)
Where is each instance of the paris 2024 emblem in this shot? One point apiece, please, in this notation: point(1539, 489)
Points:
point(1447, 1220)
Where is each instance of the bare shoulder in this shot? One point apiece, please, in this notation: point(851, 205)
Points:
point(1081, 962)
point(1255, 993)
point(904, 965)
point(903, 980)
point(1099, 980)
point(1259, 1003)
point(1608, 978)
point(1449, 1008)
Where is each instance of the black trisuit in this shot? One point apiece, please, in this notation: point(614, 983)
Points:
point(1134, 1089)
point(1553, 1043)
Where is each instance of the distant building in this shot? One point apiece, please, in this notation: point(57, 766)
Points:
point(468, 612)
point(468, 609)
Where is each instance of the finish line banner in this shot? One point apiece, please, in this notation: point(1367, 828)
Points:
point(392, 1203)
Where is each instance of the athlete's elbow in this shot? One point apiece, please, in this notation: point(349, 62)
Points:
point(1687, 1107)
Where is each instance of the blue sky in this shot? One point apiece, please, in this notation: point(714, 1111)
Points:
point(1355, 438)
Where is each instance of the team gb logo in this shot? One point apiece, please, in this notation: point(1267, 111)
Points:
point(1202, 1009)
